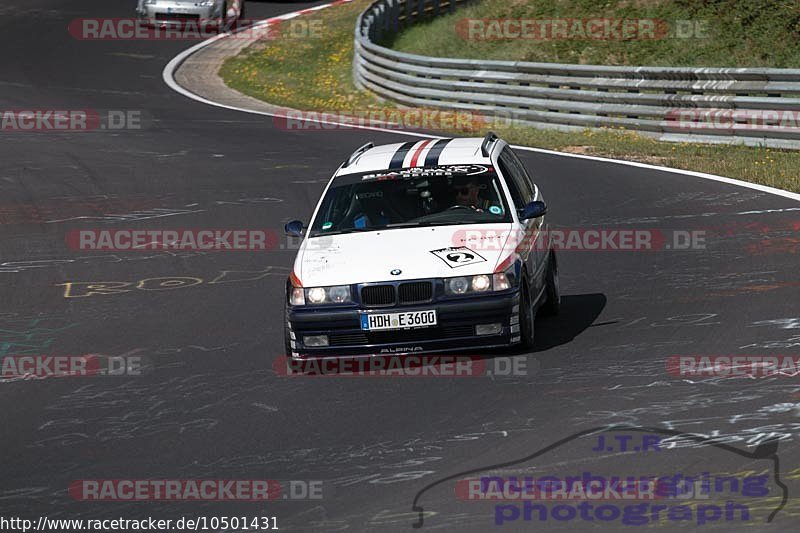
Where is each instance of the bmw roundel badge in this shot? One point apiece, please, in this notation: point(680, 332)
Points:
point(396, 272)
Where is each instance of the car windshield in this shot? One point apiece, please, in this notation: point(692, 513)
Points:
point(469, 194)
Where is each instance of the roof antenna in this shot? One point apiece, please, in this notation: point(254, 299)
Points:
point(490, 138)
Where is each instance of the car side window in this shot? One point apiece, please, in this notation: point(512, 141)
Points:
point(523, 171)
point(516, 177)
point(513, 188)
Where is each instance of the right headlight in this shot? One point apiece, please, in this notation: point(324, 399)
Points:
point(483, 283)
point(338, 294)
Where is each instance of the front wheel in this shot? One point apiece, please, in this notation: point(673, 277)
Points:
point(526, 318)
point(287, 336)
point(553, 304)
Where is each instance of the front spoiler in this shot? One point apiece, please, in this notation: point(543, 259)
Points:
point(453, 316)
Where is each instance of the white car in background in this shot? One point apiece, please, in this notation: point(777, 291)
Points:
point(413, 248)
point(178, 12)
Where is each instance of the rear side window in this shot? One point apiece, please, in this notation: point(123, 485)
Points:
point(519, 183)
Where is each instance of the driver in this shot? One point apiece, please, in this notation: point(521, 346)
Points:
point(467, 192)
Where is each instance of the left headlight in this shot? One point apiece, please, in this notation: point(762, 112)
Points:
point(484, 283)
point(338, 294)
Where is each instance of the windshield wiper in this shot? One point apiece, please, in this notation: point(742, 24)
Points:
point(424, 224)
point(404, 225)
point(344, 231)
point(389, 226)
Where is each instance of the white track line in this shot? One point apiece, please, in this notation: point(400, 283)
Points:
point(169, 73)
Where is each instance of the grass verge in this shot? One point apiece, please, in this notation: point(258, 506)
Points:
point(315, 73)
point(693, 33)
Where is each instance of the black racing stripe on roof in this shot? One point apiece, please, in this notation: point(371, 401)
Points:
point(435, 152)
point(400, 155)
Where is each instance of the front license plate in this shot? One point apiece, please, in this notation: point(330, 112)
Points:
point(384, 321)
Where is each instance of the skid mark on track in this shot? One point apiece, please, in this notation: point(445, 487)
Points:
point(790, 343)
point(131, 217)
point(23, 266)
point(710, 214)
point(780, 323)
point(113, 209)
point(717, 199)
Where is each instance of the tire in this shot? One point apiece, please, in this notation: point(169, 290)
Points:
point(553, 287)
point(526, 318)
point(287, 341)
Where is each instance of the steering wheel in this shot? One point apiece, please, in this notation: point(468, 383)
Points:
point(459, 206)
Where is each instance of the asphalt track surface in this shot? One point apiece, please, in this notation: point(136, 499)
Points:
point(212, 408)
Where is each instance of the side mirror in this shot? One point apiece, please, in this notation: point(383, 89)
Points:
point(533, 210)
point(294, 228)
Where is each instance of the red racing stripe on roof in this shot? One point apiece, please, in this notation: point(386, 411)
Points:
point(419, 151)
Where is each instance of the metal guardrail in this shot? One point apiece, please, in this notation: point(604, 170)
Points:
point(757, 106)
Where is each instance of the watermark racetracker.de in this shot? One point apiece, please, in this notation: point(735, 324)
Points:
point(181, 239)
point(733, 366)
point(580, 29)
point(34, 120)
point(395, 119)
point(757, 120)
point(486, 239)
point(407, 366)
point(132, 29)
point(29, 366)
point(247, 490)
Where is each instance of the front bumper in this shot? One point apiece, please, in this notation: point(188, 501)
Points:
point(169, 13)
point(455, 329)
